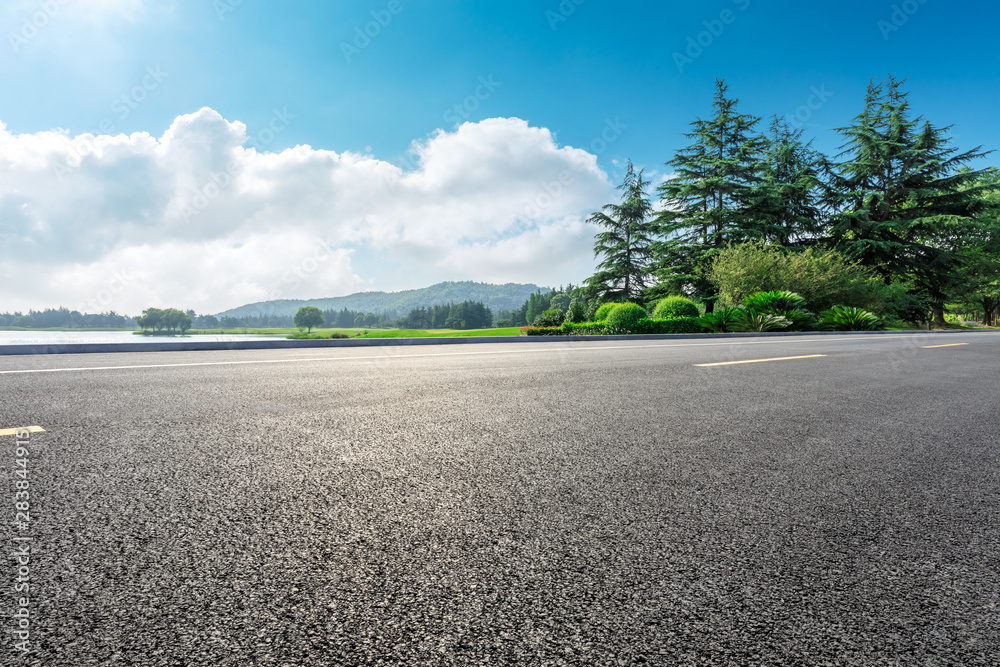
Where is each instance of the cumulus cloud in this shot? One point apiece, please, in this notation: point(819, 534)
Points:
point(200, 218)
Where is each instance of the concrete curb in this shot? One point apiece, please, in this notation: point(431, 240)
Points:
point(284, 344)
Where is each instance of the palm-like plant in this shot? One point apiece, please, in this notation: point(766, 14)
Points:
point(721, 320)
point(847, 318)
point(784, 304)
point(752, 320)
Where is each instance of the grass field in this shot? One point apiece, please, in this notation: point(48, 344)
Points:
point(364, 333)
point(441, 333)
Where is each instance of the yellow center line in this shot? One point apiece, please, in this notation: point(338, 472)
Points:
point(757, 361)
point(15, 431)
point(927, 347)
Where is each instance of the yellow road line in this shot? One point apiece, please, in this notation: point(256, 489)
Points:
point(927, 347)
point(15, 431)
point(757, 361)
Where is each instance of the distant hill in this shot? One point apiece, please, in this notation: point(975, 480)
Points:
point(498, 297)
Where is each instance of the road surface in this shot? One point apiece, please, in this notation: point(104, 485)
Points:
point(592, 503)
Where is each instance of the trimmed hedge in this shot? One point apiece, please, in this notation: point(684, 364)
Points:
point(673, 325)
point(625, 317)
point(676, 325)
point(584, 328)
point(542, 331)
point(604, 310)
point(675, 306)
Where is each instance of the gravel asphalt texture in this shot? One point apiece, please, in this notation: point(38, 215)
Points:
point(551, 504)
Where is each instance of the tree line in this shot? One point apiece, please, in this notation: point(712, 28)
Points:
point(63, 318)
point(463, 315)
point(898, 201)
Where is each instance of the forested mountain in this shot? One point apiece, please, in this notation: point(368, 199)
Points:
point(496, 297)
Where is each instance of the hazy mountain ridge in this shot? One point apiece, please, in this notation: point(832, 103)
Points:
point(498, 297)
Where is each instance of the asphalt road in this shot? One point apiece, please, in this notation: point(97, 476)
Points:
point(552, 504)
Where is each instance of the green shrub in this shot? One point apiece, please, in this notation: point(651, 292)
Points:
point(604, 310)
point(670, 325)
point(577, 311)
point(625, 317)
point(846, 318)
point(782, 303)
point(541, 331)
point(772, 302)
point(645, 325)
point(584, 328)
point(823, 277)
point(798, 320)
point(752, 320)
point(675, 306)
point(722, 320)
point(550, 318)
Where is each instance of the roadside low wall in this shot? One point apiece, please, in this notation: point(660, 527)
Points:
point(284, 344)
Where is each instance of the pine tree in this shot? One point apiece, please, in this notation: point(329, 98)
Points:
point(712, 199)
point(903, 203)
point(623, 273)
point(786, 202)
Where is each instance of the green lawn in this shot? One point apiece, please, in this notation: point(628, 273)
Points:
point(319, 334)
point(441, 333)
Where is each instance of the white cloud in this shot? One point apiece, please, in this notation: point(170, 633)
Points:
point(196, 219)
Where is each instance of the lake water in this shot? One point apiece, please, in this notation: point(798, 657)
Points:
point(64, 337)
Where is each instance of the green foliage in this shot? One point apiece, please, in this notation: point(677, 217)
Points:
point(584, 328)
point(625, 242)
point(786, 201)
point(625, 317)
point(721, 320)
point(560, 301)
point(464, 315)
point(550, 318)
point(317, 336)
point(675, 306)
point(846, 318)
point(752, 320)
point(824, 278)
point(789, 307)
point(712, 200)
point(63, 318)
point(542, 331)
point(309, 317)
point(602, 312)
point(798, 319)
point(167, 319)
point(644, 326)
point(770, 302)
point(903, 203)
point(577, 311)
point(669, 325)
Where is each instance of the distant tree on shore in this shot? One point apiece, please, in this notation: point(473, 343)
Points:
point(308, 317)
point(168, 319)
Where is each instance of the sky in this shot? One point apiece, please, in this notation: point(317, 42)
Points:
point(206, 154)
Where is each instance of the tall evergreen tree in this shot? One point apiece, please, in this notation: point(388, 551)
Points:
point(712, 199)
point(903, 204)
point(625, 243)
point(786, 207)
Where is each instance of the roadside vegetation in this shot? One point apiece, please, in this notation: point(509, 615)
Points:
point(760, 232)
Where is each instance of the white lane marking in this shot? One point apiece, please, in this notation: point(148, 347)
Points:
point(573, 348)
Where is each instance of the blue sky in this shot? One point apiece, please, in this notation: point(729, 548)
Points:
point(542, 89)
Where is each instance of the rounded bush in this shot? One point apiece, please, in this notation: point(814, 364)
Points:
point(626, 316)
point(604, 310)
point(550, 318)
point(675, 306)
